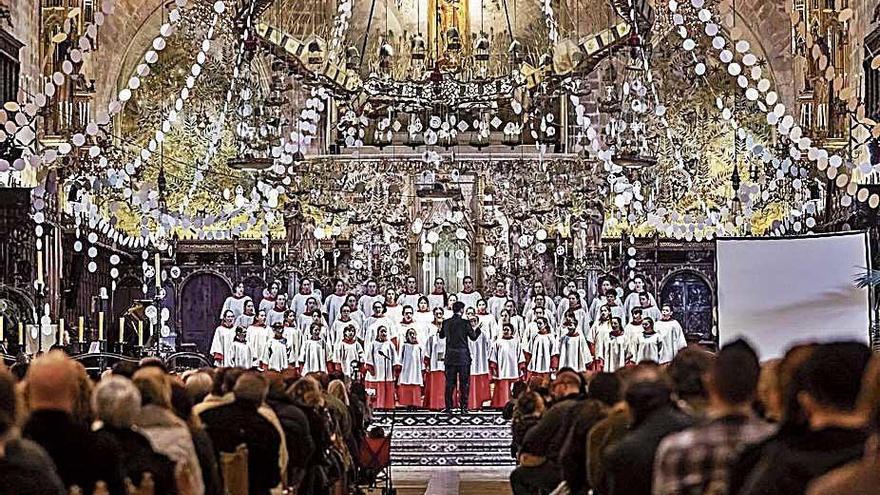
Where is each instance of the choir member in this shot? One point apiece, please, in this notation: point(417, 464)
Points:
point(507, 362)
point(634, 327)
point(612, 304)
point(275, 313)
point(613, 347)
point(498, 299)
point(293, 336)
point(235, 302)
point(412, 362)
point(574, 352)
point(269, 297)
point(447, 311)
point(540, 302)
point(600, 326)
point(344, 320)
point(518, 322)
point(258, 335)
point(573, 303)
point(307, 316)
point(352, 302)
point(392, 309)
point(315, 355)
point(480, 379)
point(378, 319)
point(600, 300)
point(408, 322)
point(518, 325)
point(534, 327)
point(468, 294)
point(542, 352)
point(299, 301)
point(562, 304)
point(370, 296)
point(348, 353)
point(632, 300)
point(649, 309)
point(335, 301)
point(539, 290)
point(246, 318)
point(275, 356)
point(240, 355)
point(411, 295)
point(437, 297)
point(673, 335)
point(648, 345)
point(435, 351)
point(487, 320)
point(381, 358)
point(423, 316)
point(224, 335)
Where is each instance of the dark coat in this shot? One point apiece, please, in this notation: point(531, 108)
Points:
point(456, 330)
point(210, 467)
point(138, 457)
point(82, 458)
point(27, 469)
point(574, 452)
point(239, 423)
point(547, 437)
point(300, 445)
point(630, 462)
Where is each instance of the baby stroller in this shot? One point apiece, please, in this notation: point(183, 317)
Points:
point(375, 462)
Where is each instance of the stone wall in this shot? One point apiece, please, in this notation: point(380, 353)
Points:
point(24, 17)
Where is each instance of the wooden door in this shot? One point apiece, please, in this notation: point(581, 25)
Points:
point(201, 301)
point(691, 300)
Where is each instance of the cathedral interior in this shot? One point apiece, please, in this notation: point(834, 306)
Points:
point(154, 153)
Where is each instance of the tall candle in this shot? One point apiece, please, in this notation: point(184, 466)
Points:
point(60, 331)
point(121, 329)
point(100, 326)
point(158, 273)
point(140, 333)
point(20, 333)
point(40, 267)
point(81, 325)
point(2, 324)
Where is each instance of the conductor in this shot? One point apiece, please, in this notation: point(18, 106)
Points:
point(456, 330)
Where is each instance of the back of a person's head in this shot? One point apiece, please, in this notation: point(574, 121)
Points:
point(457, 307)
point(125, 369)
point(53, 382)
point(604, 387)
point(251, 388)
point(336, 388)
point(181, 404)
point(687, 370)
point(116, 401)
point(529, 403)
point(649, 389)
point(8, 395)
point(518, 388)
point(154, 386)
point(832, 375)
point(153, 362)
point(792, 416)
point(217, 381)
point(230, 378)
point(275, 381)
point(734, 374)
point(198, 386)
point(307, 392)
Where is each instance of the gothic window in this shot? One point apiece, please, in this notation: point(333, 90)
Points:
point(9, 66)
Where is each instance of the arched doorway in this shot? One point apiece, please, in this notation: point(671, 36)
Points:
point(450, 258)
point(202, 298)
point(691, 298)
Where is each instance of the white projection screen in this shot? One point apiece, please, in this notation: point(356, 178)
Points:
point(779, 292)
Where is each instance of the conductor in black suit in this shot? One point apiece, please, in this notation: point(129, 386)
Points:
point(456, 330)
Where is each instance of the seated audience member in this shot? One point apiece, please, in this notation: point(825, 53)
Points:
point(240, 422)
point(696, 460)
point(117, 404)
point(609, 430)
point(540, 467)
point(198, 386)
point(768, 399)
point(182, 406)
point(168, 434)
point(528, 411)
point(25, 468)
point(295, 425)
point(515, 393)
point(630, 461)
point(603, 391)
point(687, 371)
point(308, 396)
point(82, 458)
point(826, 389)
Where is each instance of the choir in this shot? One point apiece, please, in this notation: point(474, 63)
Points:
point(392, 342)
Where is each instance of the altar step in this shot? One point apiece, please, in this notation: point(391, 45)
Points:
point(423, 438)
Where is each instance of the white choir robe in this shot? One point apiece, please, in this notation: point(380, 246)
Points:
point(673, 338)
point(469, 298)
point(597, 303)
point(435, 384)
point(543, 353)
point(402, 328)
point(436, 301)
point(480, 378)
point(632, 301)
point(336, 331)
point(365, 303)
point(244, 320)
point(332, 305)
point(632, 331)
point(598, 328)
point(562, 307)
point(381, 358)
point(236, 304)
point(549, 308)
point(646, 348)
point(490, 325)
point(410, 381)
point(273, 315)
point(423, 319)
point(275, 357)
point(298, 301)
point(532, 330)
point(409, 300)
point(574, 352)
point(616, 310)
point(314, 356)
point(371, 328)
point(294, 338)
point(257, 340)
point(582, 318)
point(519, 327)
point(346, 354)
point(506, 357)
point(240, 356)
point(650, 312)
point(496, 304)
point(614, 352)
point(358, 317)
point(267, 303)
point(222, 344)
point(395, 313)
point(305, 326)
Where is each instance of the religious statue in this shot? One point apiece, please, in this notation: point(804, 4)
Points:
point(446, 17)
